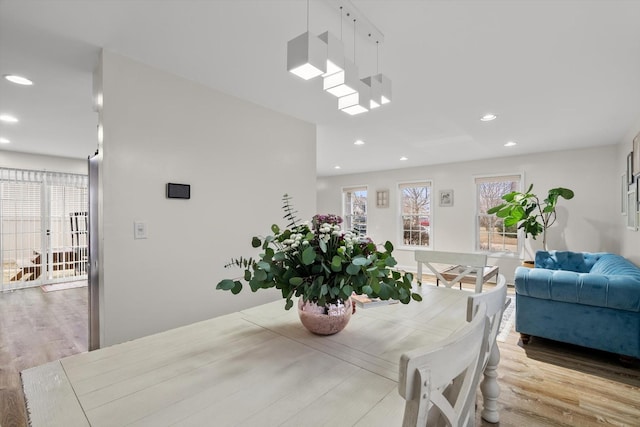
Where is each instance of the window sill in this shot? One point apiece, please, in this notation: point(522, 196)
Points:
point(505, 255)
point(411, 248)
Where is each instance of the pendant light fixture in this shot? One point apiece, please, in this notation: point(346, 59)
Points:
point(343, 82)
point(382, 82)
point(307, 54)
point(374, 89)
point(335, 51)
point(385, 83)
point(355, 103)
point(374, 86)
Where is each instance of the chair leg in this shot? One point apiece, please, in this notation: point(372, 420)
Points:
point(525, 338)
point(490, 388)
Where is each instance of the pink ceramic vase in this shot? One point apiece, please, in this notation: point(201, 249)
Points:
point(325, 320)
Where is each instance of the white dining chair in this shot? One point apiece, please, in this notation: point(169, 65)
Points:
point(439, 382)
point(470, 263)
point(496, 302)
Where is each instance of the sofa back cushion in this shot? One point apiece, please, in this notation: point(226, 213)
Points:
point(580, 262)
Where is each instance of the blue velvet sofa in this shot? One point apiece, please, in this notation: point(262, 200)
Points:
point(588, 299)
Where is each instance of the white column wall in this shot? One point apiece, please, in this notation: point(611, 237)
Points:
point(239, 159)
point(589, 222)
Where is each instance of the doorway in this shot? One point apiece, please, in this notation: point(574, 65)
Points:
point(43, 228)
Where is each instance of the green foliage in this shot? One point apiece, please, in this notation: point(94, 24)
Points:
point(527, 212)
point(321, 263)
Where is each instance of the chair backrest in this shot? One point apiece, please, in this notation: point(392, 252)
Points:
point(439, 382)
point(495, 301)
point(471, 264)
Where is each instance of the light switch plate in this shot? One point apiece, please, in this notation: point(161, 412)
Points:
point(139, 230)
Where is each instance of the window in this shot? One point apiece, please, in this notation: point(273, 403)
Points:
point(38, 243)
point(415, 214)
point(491, 234)
point(355, 209)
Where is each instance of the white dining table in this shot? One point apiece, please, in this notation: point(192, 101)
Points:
point(258, 366)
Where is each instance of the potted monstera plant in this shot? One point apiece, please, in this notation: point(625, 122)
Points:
point(529, 213)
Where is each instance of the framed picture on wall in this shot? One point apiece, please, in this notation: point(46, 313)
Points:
point(624, 189)
point(632, 215)
point(446, 197)
point(630, 168)
point(637, 193)
point(636, 155)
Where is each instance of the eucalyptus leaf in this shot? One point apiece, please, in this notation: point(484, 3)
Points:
point(353, 269)
point(226, 284)
point(360, 260)
point(308, 256)
point(336, 263)
point(296, 281)
point(264, 265)
point(237, 288)
point(260, 275)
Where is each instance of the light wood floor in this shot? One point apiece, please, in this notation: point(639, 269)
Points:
point(36, 328)
point(543, 384)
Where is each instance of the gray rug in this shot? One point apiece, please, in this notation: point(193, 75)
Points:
point(508, 319)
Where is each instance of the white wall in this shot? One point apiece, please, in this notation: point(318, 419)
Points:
point(588, 222)
point(629, 239)
point(239, 158)
point(16, 160)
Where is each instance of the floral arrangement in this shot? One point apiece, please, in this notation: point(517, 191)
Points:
point(322, 263)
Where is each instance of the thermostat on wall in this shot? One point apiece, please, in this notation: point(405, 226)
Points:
point(178, 191)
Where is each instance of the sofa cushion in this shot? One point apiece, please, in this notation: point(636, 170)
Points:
point(580, 262)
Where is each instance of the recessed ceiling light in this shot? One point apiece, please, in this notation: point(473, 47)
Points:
point(359, 142)
point(18, 79)
point(510, 144)
point(336, 167)
point(4, 141)
point(403, 158)
point(7, 118)
point(488, 117)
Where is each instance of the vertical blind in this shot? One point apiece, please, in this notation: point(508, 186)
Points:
point(37, 209)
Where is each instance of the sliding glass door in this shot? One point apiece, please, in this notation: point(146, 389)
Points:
point(43, 228)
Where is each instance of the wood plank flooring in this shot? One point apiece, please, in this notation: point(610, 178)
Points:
point(544, 383)
point(36, 328)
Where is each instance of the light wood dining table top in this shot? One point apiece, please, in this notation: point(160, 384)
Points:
point(258, 366)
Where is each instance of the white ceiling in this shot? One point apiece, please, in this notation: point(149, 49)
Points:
point(559, 74)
